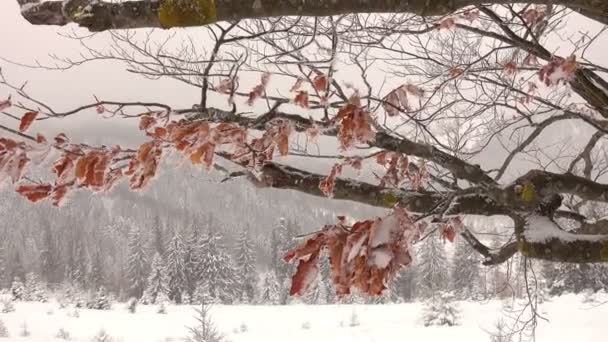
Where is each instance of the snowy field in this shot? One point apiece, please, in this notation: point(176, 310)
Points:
point(569, 319)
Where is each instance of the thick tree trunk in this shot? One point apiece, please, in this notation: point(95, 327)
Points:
point(101, 15)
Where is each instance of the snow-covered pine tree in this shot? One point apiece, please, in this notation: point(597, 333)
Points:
point(175, 268)
point(77, 262)
point(3, 330)
point(441, 310)
point(465, 271)
point(246, 266)
point(17, 289)
point(218, 270)
point(49, 263)
point(192, 260)
point(432, 267)
point(270, 290)
point(157, 281)
point(205, 330)
point(282, 239)
point(325, 278)
point(15, 265)
point(202, 294)
point(159, 237)
point(101, 301)
point(35, 291)
point(137, 269)
point(3, 268)
point(95, 275)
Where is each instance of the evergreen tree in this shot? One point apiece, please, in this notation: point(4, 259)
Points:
point(202, 294)
point(49, 257)
point(192, 261)
point(282, 239)
point(17, 289)
point(432, 268)
point(102, 302)
point(3, 268)
point(34, 289)
point(157, 281)
point(175, 268)
point(137, 264)
point(77, 262)
point(95, 275)
point(218, 270)
point(576, 278)
point(246, 266)
point(159, 237)
point(465, 271)
point(17, 271)
point(269, 293)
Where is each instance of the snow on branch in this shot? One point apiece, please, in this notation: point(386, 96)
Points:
point(105, 15)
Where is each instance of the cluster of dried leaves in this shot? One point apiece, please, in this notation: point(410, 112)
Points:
point(362, 256)
point(396, 101)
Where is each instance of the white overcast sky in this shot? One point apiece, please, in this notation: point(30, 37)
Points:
point(20, 41)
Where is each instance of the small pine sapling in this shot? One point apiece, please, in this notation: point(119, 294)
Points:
point(62, 334)
point(102, 336)
point(132, 305)
point(205, 330)
point(501, 333)
point(24, 331)
point(3, 330)
point(440, 312)
point(306, 325)
point(7, 306)
point(243, 327)
point(354, 319)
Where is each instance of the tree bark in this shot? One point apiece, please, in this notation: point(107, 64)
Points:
point(101, 15)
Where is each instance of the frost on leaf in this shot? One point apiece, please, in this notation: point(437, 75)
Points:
point(558, 69)
point(446, 24)
point(510, 67)
point(397, 101)
point(534, 15)
point(144, 164)
point(455, 72)
point(327, 185)
point(355, 126)
point(449, 230)
point(26, 120)
point(91, 168)
point(35, 192)
point(146, 121)
point(320, 83)
point(12, 159)
point(4, 104)
point(301, 99)
point(259, 89)
point(470, 15)
point(362, 256)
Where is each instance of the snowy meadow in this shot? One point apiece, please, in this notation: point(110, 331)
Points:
point(565, 318)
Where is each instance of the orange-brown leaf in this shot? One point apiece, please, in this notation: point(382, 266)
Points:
point(27, 120)
point(35, 192)
point(58, 194)
point(306, 273)
point(320, 83)
point(301, 99)
point(41, 139)
point(146, 121)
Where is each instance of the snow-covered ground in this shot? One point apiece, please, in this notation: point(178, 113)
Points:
point(569, 319)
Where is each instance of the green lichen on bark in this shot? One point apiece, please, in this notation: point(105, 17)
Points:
point(604, 251)
point(390, 199)
point(183, 13)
